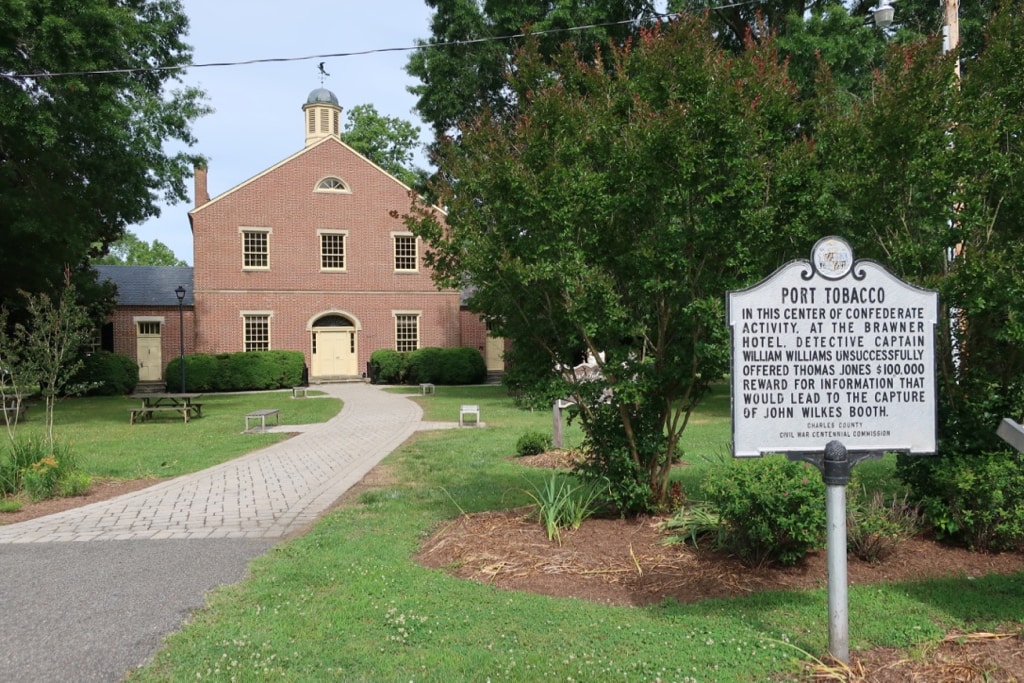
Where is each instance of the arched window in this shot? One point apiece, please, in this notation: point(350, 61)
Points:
point(332, 184)
point(333, 320)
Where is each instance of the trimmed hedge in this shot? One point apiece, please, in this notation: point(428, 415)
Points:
point(107, 374)
point(241, 371)
point(459, 365)
point(387, 367)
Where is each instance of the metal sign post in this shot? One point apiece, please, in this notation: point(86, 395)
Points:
point(840, 352)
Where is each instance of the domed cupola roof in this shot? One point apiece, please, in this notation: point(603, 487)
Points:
point(322, 114)
point(322, 96)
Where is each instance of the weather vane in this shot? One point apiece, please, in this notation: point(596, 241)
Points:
point(323, 74)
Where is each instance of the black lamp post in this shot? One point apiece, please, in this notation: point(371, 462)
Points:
point(180, 293)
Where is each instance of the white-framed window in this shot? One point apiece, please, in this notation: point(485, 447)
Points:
point(255, 248)
point(333, 184)
point(255, 331)
point(332, 249)
point(405, 251)
point(407, 330)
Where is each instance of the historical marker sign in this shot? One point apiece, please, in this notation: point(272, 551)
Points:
point(833, 349)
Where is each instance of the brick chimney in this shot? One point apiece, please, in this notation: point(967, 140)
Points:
point(202, 195)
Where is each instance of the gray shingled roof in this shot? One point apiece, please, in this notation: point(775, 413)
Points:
point(148, 285)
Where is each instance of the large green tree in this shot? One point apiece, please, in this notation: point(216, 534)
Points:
point(459, 79)
point(609, 215)
point(86, 107)
point(387, 141)
point(129, 250)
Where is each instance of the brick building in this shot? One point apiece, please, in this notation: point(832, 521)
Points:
point(302, 256)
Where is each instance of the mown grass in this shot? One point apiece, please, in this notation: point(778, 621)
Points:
point(347, 601)
point(97, 430)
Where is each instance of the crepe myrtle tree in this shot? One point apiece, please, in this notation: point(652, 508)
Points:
point(609, 216)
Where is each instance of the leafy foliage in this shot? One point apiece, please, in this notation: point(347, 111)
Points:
point(388, 366)
point(46, 349)
point(976, 500)
point(457, 365)
point(241, 371)
point(82, 152)
point(387, 141)
point(106, 374)
point(129, 250)
point(458, 82)
point(771, 509)
point(601, 219)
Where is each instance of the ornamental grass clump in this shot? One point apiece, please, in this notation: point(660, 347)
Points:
point(563, 505)
point(772, 510)
point(41, 472)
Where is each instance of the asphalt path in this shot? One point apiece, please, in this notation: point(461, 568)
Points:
point(89, 594)
point(94, 611)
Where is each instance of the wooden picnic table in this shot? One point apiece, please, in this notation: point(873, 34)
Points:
point(152, 404)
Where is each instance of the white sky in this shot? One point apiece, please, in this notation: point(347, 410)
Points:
point(258, 119)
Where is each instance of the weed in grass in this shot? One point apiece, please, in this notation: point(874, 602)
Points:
point(10, 505)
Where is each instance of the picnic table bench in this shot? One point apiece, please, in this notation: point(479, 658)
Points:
point(262, 416)
point(13, 410)
point(153, 404)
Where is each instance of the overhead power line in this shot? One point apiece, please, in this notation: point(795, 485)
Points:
point(356, 53)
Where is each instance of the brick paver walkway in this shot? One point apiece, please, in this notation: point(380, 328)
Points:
point(267, 494)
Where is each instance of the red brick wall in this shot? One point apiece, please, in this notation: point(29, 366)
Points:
point(294, 290)
point(125, 331)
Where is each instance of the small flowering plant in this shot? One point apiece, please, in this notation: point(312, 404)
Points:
point(771, 510)
point(40, 479)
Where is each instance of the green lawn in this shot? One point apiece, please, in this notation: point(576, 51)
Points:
point(106, 445)
point(346, 601)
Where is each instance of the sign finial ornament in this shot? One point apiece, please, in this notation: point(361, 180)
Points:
point(832, 257)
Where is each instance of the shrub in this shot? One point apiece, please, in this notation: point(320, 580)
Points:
point(459, 365)
point(463, 365)
point(425, 365)
point(971, 500)
point(874, 528)
point(387, 366)
point(533, 443)
point(107, 374)
point(772, 510)
point(241, 371)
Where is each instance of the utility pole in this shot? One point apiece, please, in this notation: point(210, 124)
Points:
point(951, 30)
